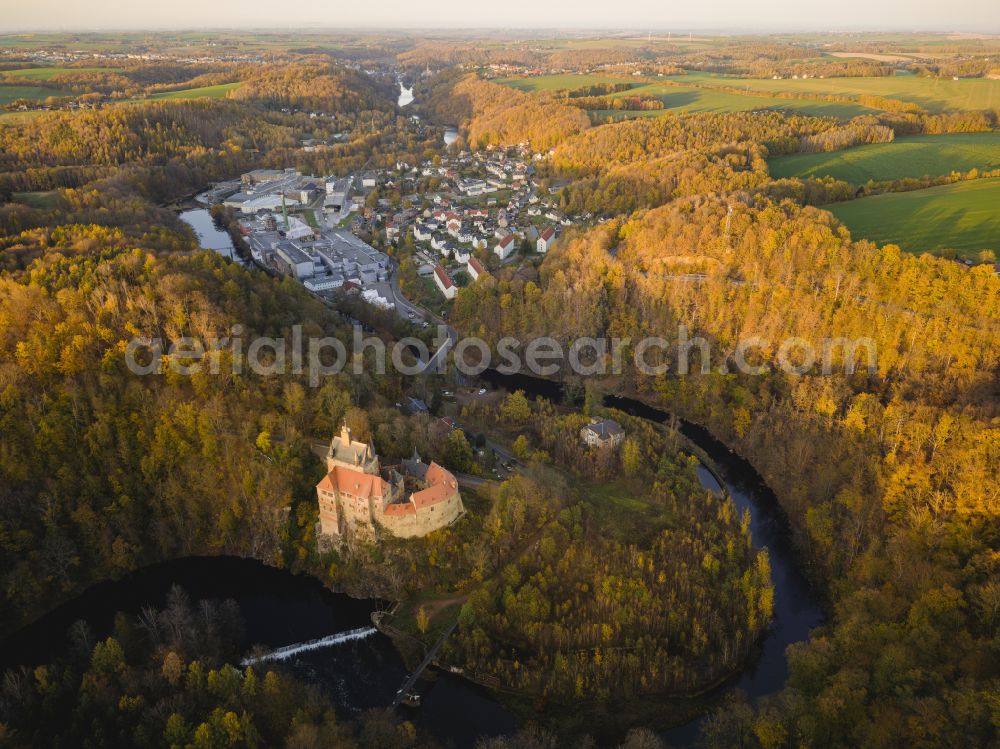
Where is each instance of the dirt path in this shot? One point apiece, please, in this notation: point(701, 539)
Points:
point(434, 607)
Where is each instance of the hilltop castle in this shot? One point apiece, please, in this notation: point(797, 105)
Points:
point(408, 500)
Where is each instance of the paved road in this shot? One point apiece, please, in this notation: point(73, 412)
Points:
point(404, 306)
point(471, 482)
point(503, 453)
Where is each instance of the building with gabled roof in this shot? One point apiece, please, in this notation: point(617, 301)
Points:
point(410, 500)
point(545, 240)
point(602, 433)
point(444, 282)
point(505, 247)
point(475, 268)
point(348, 452)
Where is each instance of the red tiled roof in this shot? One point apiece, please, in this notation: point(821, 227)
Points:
point(441, 486)
point(445, 278)
point(548, 234)
point(476, 265)
point(356, 483)
point(404, 508)
point(437, 474)
point(432, 495)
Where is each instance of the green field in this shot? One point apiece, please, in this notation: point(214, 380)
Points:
point(676, 96)
point(204, 92)
point(44, 74)
point(19, 118)
point(623, 508)
point(933, 94)
point(964, 217)
point(34, 93)
point(567, 81)
point(37, 199)
point(694, 99)
point(915, 156)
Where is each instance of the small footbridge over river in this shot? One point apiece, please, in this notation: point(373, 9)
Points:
point(418, 672)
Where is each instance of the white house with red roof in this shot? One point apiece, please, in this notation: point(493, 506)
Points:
point(475, 268)
point(505, 247)
point(545, 240)
point(444, 282)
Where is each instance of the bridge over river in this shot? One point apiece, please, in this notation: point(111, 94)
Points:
point(428, 659)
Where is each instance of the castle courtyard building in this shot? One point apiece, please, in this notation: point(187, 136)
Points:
point(358, 496)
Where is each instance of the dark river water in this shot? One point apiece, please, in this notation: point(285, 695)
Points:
point(797, 606)
point(281, 610)
point(210, 236)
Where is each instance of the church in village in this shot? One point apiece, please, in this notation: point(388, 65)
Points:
point(359, 496)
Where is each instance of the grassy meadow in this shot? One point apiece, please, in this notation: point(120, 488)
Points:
point(33, 93)
point(567, 81)
point(218, 91)
point(964, 217)
point(45, 74)
point(19, 118)
point(933, 94)
point(676, 96)
point(43, 199)
point(915, 156)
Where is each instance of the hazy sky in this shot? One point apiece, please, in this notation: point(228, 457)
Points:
point(903, 15)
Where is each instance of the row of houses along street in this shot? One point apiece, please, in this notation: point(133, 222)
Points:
point(451, 220)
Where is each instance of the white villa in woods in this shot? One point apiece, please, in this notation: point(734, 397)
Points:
point(602, 433)
point(358, 496)
point(444, 282)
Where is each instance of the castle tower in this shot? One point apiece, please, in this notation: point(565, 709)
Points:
point(356, 497)
point(347, 452)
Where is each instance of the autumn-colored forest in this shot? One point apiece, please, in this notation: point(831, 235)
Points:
point(888, 477)
point(888, 473)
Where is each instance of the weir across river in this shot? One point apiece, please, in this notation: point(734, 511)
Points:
point(288, 651)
